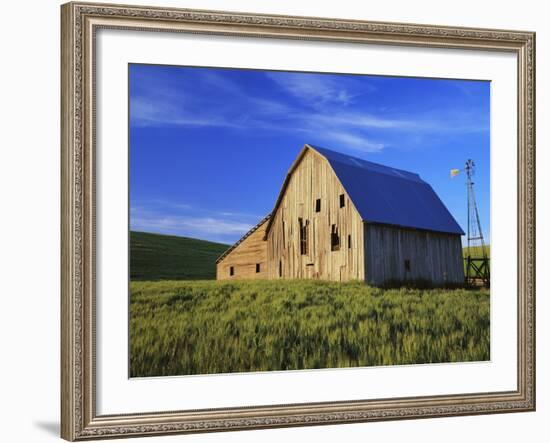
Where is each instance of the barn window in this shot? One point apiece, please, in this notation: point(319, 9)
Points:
point(231, 271)
point(349, 241)
point(257, 268)
point(334, 239)
point(407, 265)
point(280, 268)
point(342, 200)
point(318, 205)
point(304, 237)
point(283, 233)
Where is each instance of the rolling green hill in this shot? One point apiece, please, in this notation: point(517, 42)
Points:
point(167, 257)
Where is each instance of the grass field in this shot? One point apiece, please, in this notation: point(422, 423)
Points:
point(167, 257)
point(205, 327)
point(476, 251)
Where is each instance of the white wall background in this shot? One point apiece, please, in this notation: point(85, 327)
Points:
point(29, 219)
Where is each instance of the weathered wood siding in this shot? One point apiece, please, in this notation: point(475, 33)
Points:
point(432, 256)
point(245, 257)
point(313, 179)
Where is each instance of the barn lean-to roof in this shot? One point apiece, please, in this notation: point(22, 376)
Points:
point(382, 194)
point(243, 238)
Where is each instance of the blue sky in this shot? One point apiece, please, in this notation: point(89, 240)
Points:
point(209, 148)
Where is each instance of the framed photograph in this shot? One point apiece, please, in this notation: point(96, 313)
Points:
point(277, 221)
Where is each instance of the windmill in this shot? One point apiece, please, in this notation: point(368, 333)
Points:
point(477, 259)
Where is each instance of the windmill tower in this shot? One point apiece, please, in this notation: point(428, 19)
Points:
point(477, 260)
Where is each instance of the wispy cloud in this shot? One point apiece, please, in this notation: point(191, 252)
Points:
point(428, 123)
point(324, 108)
point(161, 216)
point(318, 89)
point(162, 112)
point(232, 106)
point(171, 204)
point(360, 120)
point(354, 142)
point(242, 214)
point(188, 225)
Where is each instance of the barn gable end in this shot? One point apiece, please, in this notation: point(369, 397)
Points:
point(315, 230)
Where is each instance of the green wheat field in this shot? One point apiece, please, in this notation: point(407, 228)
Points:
point(183, 327)
point(184, 322)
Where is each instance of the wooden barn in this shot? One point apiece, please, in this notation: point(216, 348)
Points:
point(342, 218)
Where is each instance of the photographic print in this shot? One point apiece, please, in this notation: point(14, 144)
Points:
point(297, 220)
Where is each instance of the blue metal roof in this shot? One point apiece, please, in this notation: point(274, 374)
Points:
point(392, 196)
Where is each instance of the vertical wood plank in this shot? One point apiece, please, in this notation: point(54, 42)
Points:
point(436, 257)
point(312, 179)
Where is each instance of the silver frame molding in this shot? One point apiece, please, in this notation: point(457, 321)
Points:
point(79, 22)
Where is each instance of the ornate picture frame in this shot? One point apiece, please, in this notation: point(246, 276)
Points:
point(80, 22)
